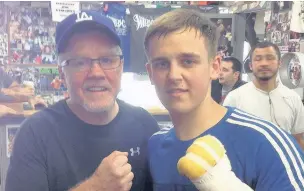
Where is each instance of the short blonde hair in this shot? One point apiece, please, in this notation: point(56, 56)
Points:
point(186, 19)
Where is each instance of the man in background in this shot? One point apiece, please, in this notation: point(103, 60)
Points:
point(268, 98)
point(230, 76)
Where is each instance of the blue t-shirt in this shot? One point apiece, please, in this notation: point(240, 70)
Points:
point(263, 156)
point(117, 13)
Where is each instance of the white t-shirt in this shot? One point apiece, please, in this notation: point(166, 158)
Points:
point(281, 106)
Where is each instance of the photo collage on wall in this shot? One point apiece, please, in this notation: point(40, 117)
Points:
point(32, 36)
point(3, 36)
point(278, 30)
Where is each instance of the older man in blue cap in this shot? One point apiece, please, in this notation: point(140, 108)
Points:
point(90, 141)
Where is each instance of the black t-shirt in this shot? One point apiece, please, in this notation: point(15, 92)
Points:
point(55, 150)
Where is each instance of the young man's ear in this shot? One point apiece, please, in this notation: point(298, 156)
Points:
point(215, 67)
point(149, 70)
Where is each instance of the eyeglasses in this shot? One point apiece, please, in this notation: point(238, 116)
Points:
point(85, 64)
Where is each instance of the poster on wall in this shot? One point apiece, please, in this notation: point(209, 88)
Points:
point(11, 132)
point(60, 9)
point(140, 18)
point(32, 36)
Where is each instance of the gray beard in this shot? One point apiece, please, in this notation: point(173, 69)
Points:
point(90, 107)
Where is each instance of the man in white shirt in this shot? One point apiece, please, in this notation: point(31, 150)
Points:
point(268, 98)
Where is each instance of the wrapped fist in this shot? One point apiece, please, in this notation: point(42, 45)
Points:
point(208, 167)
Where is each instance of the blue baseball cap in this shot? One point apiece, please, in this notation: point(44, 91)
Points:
point(83, 21)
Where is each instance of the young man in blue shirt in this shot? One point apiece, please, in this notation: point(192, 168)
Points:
point(211, 147)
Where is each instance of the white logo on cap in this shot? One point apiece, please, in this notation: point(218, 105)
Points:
point(83, 16)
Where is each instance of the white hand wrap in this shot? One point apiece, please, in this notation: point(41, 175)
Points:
point(221, 178)
point(208, 167)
